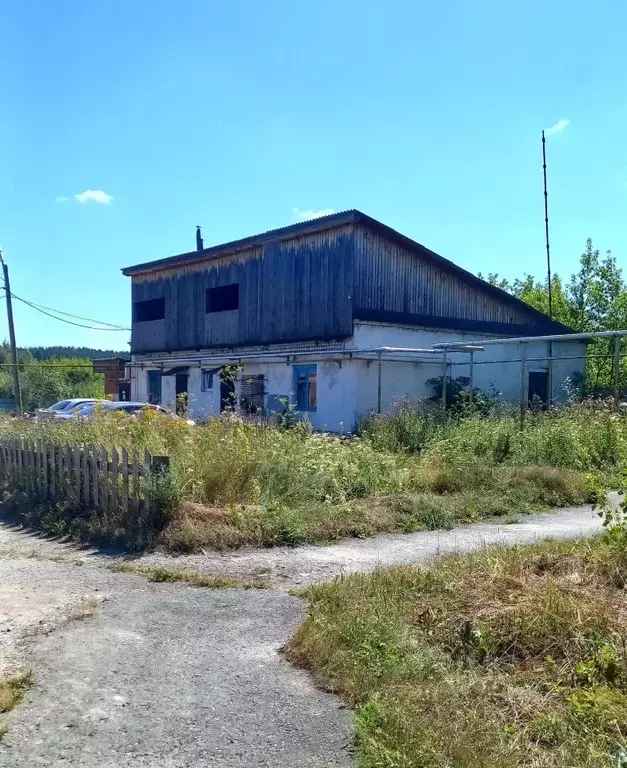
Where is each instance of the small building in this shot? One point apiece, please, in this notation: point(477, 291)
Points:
point(117, 385)
point(300, 315)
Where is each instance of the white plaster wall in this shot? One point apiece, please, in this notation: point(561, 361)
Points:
point(398, 380)
point(202, 405)
point(168, 392)
point(348, 391)
point(336, 391)
point(139, 385)
point(495, 368)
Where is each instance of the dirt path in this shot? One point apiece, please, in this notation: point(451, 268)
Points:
point(130, 673)
point(288, 567)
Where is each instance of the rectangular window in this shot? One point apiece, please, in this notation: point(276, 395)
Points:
point(152, 309)
point(222, 298)
point(154, 387)
point(305, 387)
point(206, 380)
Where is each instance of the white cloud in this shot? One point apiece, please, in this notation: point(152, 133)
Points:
point(310, 213)
point(559, 127)
point(61, 199)
point(95, 196)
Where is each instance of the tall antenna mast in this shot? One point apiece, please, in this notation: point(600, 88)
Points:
point(546, 228)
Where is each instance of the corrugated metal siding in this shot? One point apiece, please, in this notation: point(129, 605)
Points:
point(288, 290)
point(388, 277)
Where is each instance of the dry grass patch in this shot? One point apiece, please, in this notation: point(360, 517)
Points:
point(12, 690)
point(512, 657)
point(501, 493)
point(193, 578)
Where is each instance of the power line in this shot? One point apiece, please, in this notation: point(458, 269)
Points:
point(43, 310)
point(69, 314)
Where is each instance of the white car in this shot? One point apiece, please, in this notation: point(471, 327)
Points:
point(65, 407)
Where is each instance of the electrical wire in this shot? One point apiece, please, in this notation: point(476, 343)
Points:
point(69, 314)
point(48, 312)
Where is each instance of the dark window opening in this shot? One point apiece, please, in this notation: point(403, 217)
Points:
point(181, 380)
point(223, 298)
point(152, 309)
point(538, 388)
point(154, 387)
point(252, 394)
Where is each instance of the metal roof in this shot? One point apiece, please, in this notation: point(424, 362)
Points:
point(331, 222)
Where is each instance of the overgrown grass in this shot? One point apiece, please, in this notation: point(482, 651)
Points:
point(233, 483)
point(508, 658)
point(12, 690)
point(161, 573)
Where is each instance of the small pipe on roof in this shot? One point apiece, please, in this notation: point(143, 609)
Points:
point(199, 242)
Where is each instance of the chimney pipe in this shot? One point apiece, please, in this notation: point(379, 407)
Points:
point(199, 243)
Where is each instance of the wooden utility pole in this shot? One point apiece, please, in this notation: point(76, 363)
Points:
point(546, 229)
point(17, 392)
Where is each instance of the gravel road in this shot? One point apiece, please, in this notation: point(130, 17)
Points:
point(130, 673)
point(290, 567)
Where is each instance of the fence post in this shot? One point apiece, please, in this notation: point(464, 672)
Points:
point(15, 474)
point(19, 463)
point(444, 372)
point(125, 494)
point(86, 484)
point(135, 482)
point(51, 456)
point(104, 479)
point(30, 468)
point(44, 474)
point(114, 477)
point(67, 470)
point(76, 461)
point(93, 472)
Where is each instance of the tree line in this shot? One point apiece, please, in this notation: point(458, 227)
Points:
point(47, 353)
point(47, 378)
point(593, 299)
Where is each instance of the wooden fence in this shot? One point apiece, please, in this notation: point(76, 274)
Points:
point(87, 476)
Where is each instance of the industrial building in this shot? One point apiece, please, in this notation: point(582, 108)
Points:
point(337, 317)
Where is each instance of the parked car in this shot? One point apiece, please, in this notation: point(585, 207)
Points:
point(127, 407)
point(77, 410)
point(65, 406)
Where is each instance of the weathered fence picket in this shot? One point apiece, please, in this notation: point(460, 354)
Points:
point(135, 491)
point(88, 476)
point(114, 478)
point(124, 501)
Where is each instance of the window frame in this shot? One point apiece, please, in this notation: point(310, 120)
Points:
point(219, 295)
point(307, 370)
point(209, 372)
point(140, 306)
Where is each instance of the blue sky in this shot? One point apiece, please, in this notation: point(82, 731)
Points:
point(242, 116)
